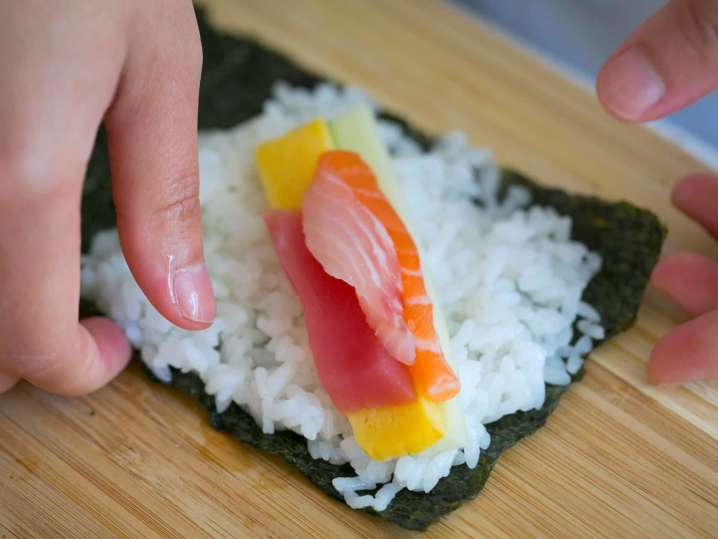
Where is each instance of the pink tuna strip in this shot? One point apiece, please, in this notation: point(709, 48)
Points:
point(352, 245)
point(354, 367)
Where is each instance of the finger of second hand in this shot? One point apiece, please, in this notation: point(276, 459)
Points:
point(668, 62)
point(689, 279)
point(696, 195)
point(686, 353)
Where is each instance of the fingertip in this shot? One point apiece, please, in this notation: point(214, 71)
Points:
point(672, 271)
point(662, 272)
point(696, 195)
point(665, 361)
point(691, 188)
point(194, 297)
point(687, 353)
point(690, 280)
point(663, 276)
point(668, 62)
point(628, 85)
point(112, 345)
point(683, 190)
point(184, 296)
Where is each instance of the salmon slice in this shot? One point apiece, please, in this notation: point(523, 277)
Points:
point(355, 233)
point(353, 245)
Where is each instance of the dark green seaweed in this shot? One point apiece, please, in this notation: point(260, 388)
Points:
point(237, 77)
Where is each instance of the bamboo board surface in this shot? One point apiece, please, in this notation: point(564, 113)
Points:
point(619, 458)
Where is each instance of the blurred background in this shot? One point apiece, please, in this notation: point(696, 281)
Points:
point(581, 34)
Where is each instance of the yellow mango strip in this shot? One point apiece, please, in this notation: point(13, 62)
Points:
point(394, 431)
point(286, 164)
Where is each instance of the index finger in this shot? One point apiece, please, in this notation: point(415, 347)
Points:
point(152, 128)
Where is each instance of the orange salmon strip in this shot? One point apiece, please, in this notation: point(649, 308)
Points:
point(433, 375)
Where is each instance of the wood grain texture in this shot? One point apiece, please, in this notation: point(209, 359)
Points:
point(619, 458)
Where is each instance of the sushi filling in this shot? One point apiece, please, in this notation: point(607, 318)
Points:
point(506, 274)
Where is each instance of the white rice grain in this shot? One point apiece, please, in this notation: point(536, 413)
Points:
point(385, 495)
point(588, 312)
point(358, 502)
point(574, 363)
point(583, 345)
point(591, 329)
point(347, 484)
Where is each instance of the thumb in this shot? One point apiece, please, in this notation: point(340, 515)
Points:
point(670, 61)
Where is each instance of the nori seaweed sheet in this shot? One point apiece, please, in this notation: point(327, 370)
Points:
point(237, 78)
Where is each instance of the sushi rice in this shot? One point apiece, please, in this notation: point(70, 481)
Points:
point(508, 279)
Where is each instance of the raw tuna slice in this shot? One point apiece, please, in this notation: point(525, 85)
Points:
point(353, 366)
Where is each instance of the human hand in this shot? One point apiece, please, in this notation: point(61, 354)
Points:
point(665, 64)
point(690, 351)
point(67, 66)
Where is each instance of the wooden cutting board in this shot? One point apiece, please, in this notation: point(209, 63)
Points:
point(619, 458)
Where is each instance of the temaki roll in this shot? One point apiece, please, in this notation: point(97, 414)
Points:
point(392, 314)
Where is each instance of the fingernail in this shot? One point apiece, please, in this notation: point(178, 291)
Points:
point(193, 292)
point(629, 85)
